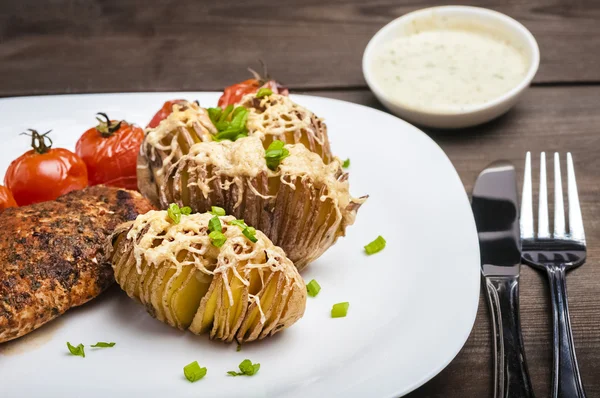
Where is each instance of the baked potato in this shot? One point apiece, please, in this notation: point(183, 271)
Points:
point(165, 144)
point(239, 287)
point(303, 205)
point(273, 117)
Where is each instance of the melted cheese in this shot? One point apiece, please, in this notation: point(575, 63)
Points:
point(191, 236)
point(280, 116)
point(187, 116)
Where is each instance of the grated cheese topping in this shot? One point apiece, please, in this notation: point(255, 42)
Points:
point(191, 237)
point(244, 159)
point(278, 115)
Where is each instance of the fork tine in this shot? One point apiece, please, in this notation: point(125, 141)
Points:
point(543, 225)
point(559, 206)
point(526, 219)
point(575, 219)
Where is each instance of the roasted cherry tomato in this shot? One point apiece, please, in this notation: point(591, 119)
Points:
point(233, 94)
point(6, 198)
point(44, 173)
point(165, 111)
point(110, 151)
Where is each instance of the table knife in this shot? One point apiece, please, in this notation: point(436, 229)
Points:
point(496, 216)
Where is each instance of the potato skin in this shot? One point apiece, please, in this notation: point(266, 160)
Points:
point(273, 299)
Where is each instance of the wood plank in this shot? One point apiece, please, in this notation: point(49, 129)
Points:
point(547, 119)
point(66, 46)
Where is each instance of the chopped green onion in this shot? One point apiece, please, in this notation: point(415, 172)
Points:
point(101, 344)
point(217, 211)
point(193, 372)
point(174, 213)
point(225, 113)
point(239, 120)
point(214, 114)
point(313, 288)
point(346, 163)
point(230, 122)
point(214, 224)
point(376, 246)
point(238, 110)
point(247, 368)
point(264, 92)
point(340, 310)
point(275, 153)
point(79, 351)
point(239, 223)
point(250, 233)
point(217, 238)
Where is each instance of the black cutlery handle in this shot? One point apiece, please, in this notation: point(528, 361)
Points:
point(511, 375)
point(566, 380)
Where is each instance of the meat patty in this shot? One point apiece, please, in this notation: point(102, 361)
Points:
point(52, 254)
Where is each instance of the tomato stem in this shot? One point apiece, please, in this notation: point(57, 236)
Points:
point(107, 127)
point(40, 143)
point(265, 76)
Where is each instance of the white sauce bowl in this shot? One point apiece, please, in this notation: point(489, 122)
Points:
point(509, 29)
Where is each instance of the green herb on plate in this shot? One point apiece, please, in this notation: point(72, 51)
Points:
point(193, 372)
point(340, 310)
point(313, 288)
point(79, 350)
point(376, 246)
point(247, 368)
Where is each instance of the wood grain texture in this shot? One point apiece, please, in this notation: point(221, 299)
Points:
point(71, 46)
point(547, 119)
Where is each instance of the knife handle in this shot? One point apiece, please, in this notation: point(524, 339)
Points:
point(511, 375)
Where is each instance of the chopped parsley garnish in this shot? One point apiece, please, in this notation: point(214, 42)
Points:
point(376, 246)
point(217, 211)
point(264, 92)
point(79, 350)
point(214, 224)
point(193, 372)
point(102, 344)
point(250, 233)
point(275, 153)
point(217, 238)
point(175, 212)
point(239, 347)
point(247, 368)
point(313, 288)
point(340, 310)
point(230, 122)
point(346, 163)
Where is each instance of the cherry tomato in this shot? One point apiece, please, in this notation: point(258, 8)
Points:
point(165, 111)
point(234, 93)
point(44, 173)
point(6, 198)
point(110, 152)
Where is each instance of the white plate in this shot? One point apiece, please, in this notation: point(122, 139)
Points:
point(412, 306)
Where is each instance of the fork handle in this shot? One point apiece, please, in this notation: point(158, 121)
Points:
point(566, 379)
point(511, 375)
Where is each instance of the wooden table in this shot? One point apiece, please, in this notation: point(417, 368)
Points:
point(315, 46)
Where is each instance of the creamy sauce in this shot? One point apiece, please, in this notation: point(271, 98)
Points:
point(448, 69)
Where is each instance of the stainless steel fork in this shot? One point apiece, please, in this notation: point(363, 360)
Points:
point(556, 254)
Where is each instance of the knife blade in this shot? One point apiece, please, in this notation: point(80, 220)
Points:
point(496, 213)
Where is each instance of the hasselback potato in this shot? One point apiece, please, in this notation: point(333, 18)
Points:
point(273, 117)
point(277, 117)
point(187, 125)
point(234, 286)
point(303, 205)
